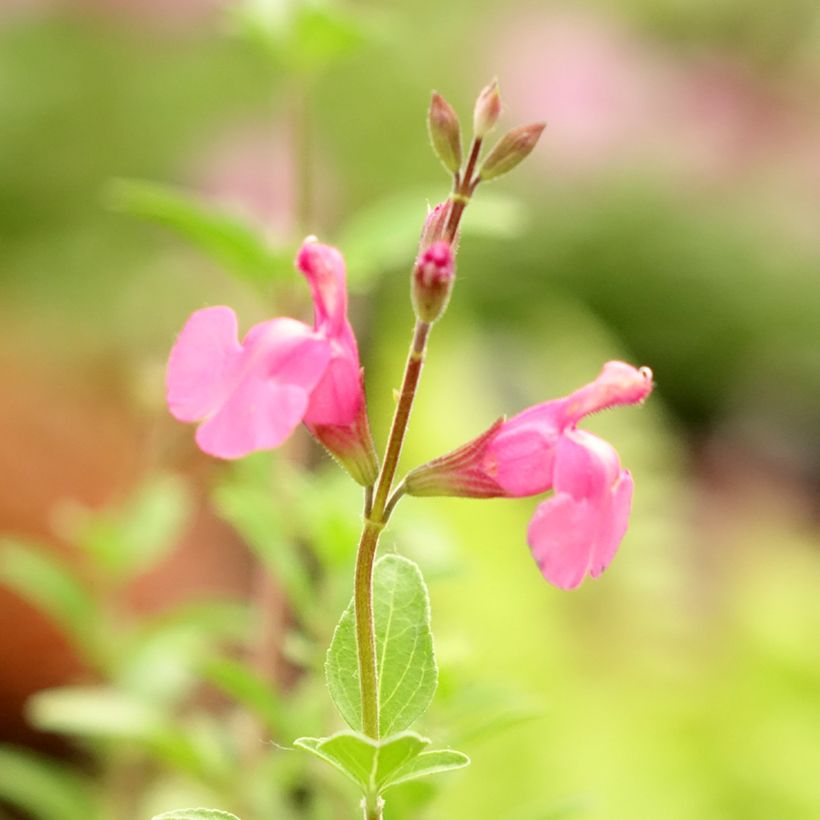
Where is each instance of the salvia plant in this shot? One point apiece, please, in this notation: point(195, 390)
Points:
point(250, 395)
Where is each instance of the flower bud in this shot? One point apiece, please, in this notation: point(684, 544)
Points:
point(487, 110)
point(433, 278)
point(445, 132)
point(513, 147)
point(434, 225)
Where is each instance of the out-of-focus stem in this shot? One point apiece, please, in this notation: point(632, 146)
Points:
point(301, 145)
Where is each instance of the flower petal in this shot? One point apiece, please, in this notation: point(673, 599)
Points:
point(560, 536)
point(258, 416)
point(287, 350)
point(282, 361)
point(585, 466)
point(324, 268)
point(202, 364)
point(339, 396)
point(618, 383)
point(612, 526)
point(578, 530)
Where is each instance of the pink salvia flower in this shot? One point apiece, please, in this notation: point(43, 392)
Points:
point(251, 395)
point(577, 531)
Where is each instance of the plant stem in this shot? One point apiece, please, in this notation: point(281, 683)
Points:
point(412, 371)
point(373, 525)
point(462, 191)
point(373, 808)
point(365, 628)
point(379, 503)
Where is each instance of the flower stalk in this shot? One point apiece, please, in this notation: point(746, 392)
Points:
point(379, 503)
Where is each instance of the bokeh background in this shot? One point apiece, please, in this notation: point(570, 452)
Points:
point(669, 217)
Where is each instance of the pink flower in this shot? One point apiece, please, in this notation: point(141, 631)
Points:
point(251, 395)
point(578, 530)
point(337, 414)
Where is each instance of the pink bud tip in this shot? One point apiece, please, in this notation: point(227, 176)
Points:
point(433, 280)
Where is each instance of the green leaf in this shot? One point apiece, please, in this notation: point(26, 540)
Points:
point(196, 814)
point(243, 685)
point(38, 576)
point(135, 536)
point(367, 762)
point(42, 788)
point(94, 711)
point(323, 34)
point(427, 763)
point(404, 649)
point(221, 235)
point(102, 713)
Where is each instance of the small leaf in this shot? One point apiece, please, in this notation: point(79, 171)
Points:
point(42, 788)
point(226, 238)
point(369, 763)
point(404, 648)
point(427, 763)
point(196, 814)
point(38, 576)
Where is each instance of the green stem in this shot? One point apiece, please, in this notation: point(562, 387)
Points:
point(373, 525)
point(412, 371)
point(365, 628)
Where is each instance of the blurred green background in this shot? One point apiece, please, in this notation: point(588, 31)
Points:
point(668, 217)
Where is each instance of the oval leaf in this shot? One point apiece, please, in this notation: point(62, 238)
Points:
point(223, 236)
point(404, 650)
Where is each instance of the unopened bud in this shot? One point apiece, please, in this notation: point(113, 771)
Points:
point(434, 225)
point(433, 278)
point(445, 132)
point(513, 147)
point(487, 110)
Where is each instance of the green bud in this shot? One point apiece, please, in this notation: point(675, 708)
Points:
point(445, 133)
point(487, 110)
point(513, 147)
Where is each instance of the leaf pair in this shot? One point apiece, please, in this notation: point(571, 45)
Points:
point(377, 765)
